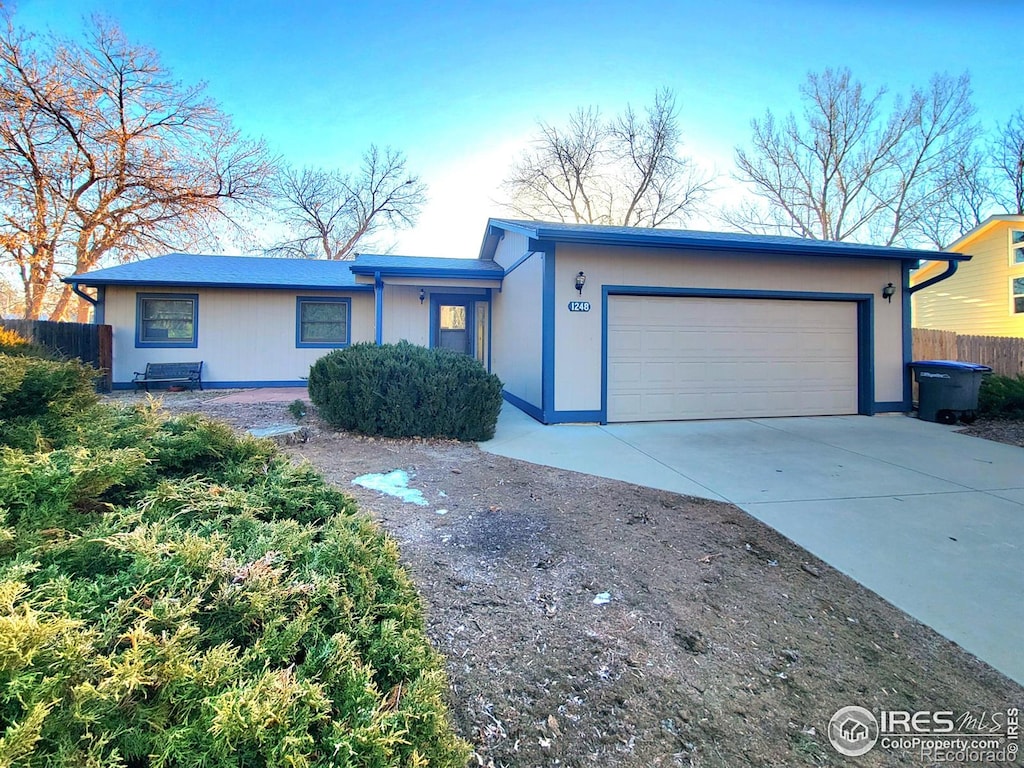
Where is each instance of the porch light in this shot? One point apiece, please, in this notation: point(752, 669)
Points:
point(581, 280)
point(423, 295)
point(888, 292)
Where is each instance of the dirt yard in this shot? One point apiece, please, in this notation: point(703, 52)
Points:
point(590, 622)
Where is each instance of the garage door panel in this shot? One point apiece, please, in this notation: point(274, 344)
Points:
point(698, 358)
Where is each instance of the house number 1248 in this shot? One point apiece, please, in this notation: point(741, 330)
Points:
point(579, 306)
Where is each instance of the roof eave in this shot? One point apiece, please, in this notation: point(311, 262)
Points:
point(813, 247)
point(437, 272)
point(985, 226)
point(85, 280)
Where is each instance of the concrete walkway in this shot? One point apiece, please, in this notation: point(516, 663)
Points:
point(931, 520)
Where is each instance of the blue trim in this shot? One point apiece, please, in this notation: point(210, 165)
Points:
point(866, 356)
point(733, 293)
point(99, 312)
point(528, 408)
point(192, 343)
point(467, 300)
point(865, 328)
point(575, 417)
point(300, 300)
point(378, 310)
point(640, 237)
point(490, 325)
point(908, 334)
point(547, 368)
point(230, 384)
point(166, 283)
point(519, 262)
point(439, 272)
point(894, 406)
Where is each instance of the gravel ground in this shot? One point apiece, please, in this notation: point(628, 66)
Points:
point(589, 622)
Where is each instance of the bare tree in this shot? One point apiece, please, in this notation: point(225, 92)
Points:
point(329, 213)
point(103, 154)
point(851, 169)
point(627, 171)
point(1008, 152)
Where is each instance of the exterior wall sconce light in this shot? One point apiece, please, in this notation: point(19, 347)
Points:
point(423, 295)
point(581, 280)
point(888, 292)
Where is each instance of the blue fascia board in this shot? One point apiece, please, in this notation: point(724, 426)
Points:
point(497, 273)
point(719, 242)
point(85, 280)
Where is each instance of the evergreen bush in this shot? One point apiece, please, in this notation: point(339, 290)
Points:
point(13, 343)
point(42, 400)
point(404, 390)
point(1002, 397)
point(173, 595)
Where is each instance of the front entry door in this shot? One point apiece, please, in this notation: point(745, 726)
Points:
point(455, 327)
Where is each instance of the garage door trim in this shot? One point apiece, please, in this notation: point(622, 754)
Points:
point(865, 328)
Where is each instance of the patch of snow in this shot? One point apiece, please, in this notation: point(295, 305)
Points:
point(602, 598)
point(394, 483)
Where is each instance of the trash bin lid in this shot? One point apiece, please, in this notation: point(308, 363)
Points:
point(951, 364)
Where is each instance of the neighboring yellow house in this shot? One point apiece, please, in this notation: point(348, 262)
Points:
point(985, 297)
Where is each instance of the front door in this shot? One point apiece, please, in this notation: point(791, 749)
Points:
point(455, 326)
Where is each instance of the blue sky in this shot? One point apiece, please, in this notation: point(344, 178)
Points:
point(459, 86)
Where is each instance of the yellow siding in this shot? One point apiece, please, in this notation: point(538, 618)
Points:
point(516, 321)
point(976, 301)
point(244, 335)
point(578, 334)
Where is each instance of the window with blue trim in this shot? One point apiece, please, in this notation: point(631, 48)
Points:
point(1016, 247)
point(322, 321)
point(167, 320)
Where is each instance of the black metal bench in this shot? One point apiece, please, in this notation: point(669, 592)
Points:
point(170, 373)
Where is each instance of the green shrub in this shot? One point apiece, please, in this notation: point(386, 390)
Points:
point(174, 595)
point(404, 390)
point(41, 399)
point(297, 408)
point(1002, 397)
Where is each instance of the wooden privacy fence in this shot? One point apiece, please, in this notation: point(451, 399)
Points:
point(86, 341)
point(1004, 356)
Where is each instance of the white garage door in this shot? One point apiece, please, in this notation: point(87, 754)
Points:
point(701, 358)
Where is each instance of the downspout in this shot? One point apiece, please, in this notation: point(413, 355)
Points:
point(97, 303)
point(79, 292)
point(951, 267)
point(378, 320)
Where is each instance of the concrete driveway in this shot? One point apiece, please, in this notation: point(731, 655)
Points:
point(931, 520)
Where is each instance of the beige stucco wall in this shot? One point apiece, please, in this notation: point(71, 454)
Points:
point(404, 316)
point(244, 335)
point(976, 301)
point(517, 321)
point(578, 334)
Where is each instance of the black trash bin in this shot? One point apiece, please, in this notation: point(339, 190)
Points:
point(947, 390)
